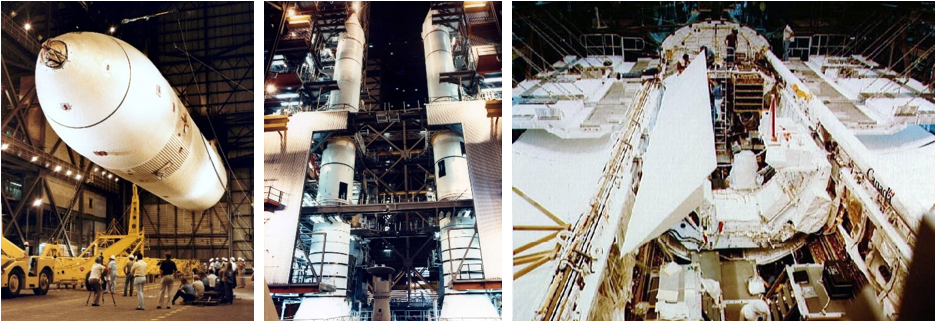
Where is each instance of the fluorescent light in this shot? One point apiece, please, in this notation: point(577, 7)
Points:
point(286, 96)
point(492, 80)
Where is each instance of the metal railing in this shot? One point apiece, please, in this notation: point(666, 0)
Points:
point(603, 44)
point(270, 193)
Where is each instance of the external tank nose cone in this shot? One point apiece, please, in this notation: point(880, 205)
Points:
point(82, 78)
point(54, 53)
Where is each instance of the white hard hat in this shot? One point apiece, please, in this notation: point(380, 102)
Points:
point(113, 257)
point(212, 259)
point(225, 259)
point(241, 259)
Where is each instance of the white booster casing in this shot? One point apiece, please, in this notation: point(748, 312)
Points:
point(336, 173)
point(333, 241)
point(456, 238)
point(109, 103)
point(437, 44)
point(451, 167)
point(348, 67)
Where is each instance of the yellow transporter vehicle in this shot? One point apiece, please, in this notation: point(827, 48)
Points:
point(74, 271)
point(23, 271)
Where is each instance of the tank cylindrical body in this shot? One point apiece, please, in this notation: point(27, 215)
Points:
point(109, 103)
point(336, 173)
point(348, 67)
point(437, 44)
point(328, 255)
point(451, 167)
point(456, 238)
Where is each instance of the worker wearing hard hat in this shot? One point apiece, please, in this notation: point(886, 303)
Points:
point(112, 274)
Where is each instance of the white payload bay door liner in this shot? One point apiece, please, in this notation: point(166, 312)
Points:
point(679, 158)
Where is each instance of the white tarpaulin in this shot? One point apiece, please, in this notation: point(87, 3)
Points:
point(679, 158)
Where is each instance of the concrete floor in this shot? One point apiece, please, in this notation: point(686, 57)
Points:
point(69, 305)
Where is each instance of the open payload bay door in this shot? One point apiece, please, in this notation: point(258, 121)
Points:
point(679, 158)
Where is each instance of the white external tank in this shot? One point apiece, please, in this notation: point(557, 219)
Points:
point(451, 167)
point(348, 67)
point(437, 44)
point(333, 241)
point(456, 238)
point(108, 102)
point(336, 173)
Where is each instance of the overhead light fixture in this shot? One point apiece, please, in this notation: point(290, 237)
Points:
point(37, 202)
point(34, 158)
point(493, 79)
point(109, 176)
point(291, 12)
point(286, 96)
point(68, 173)
point(58, 168)
point(112, 29)
point(474, 4)
point(78, 176)
point(4, 146)
point(27, 26)
point(270, 88)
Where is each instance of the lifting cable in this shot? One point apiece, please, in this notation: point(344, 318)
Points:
point(906, 68)
point(892, 37)
point(223, 156)
point(860, 33)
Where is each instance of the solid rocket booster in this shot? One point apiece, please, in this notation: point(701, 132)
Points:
point(348, 67)
point(109, 103)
